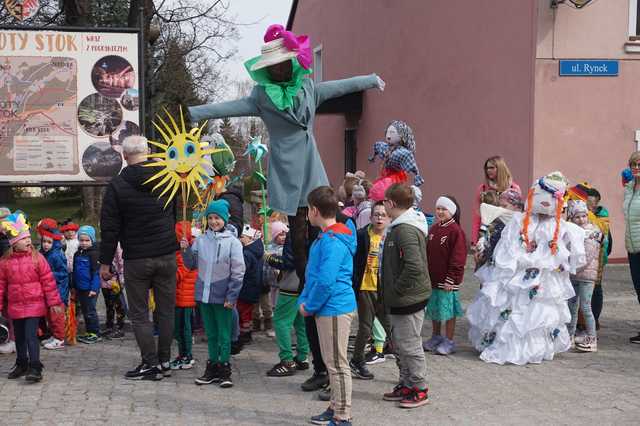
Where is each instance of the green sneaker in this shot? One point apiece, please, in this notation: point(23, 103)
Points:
point(90, 338)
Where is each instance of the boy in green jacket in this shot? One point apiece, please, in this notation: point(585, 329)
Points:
point(405, 291)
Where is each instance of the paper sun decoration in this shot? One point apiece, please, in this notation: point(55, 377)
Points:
point(183, 159)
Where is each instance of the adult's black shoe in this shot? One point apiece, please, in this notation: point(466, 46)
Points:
point(144, 372)
point(315, 382)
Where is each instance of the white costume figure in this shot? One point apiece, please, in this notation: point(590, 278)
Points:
point(520, 314)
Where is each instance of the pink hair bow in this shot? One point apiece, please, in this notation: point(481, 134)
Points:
point(293, 43)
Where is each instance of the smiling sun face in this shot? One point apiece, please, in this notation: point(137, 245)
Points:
point(181, 157)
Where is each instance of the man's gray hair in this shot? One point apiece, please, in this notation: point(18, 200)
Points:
point(135, 145)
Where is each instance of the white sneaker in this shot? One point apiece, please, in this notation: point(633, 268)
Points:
point(271, 333)
point(8, 348)
point(45, 341)
point(579, 337)
point(54, 344)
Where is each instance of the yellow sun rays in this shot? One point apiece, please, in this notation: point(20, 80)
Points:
point(182, 159)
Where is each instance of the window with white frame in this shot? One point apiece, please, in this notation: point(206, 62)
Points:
point(634, 23)
point(317, 63)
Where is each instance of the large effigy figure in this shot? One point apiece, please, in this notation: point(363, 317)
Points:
point(519, 316)
point(287, 100)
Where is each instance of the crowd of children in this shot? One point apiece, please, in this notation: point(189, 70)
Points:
point(397, 270)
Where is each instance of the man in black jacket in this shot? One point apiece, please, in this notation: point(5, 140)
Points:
point(135, 217)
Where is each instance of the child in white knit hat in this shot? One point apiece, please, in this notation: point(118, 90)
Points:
point(585, 277)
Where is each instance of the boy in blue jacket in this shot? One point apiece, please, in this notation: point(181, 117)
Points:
point(328, 296)
point(86, 281)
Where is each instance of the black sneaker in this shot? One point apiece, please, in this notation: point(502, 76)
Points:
point(144, 372)
point(225, 375)
point(165, 367)
point(283, 369)
point(34, 375)
point(116, 334)
point(301, 365)
point(315, 382)
point(374, 357)
point(211, 374)
point(325, 394)
point(359, 370)
point(236, 347)
point(635, 339)
point(18, 371)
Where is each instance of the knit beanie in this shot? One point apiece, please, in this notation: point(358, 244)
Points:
point(277, 228)
point(576, 207)
point(89, 231)
point(220, 208)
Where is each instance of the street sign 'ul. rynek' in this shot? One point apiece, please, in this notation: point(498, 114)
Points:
point(589, 68)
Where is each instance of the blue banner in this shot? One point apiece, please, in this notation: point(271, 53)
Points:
point(589, 68)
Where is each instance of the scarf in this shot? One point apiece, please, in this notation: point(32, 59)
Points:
point(281, 94)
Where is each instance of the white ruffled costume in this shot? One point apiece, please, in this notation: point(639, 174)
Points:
point(520, 314)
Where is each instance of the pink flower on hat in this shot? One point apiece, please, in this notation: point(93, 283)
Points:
point(293, 43)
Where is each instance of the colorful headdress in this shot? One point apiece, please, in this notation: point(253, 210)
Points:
point(282, 45)
point(16, 227)
point(48, 227)
point(555, 184)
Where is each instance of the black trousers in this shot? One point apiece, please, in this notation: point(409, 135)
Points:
point(159, 274)
point(27, 344)
point(115, 308)
point(302, 235)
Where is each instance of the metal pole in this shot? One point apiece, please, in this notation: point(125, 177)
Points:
point(142, 96)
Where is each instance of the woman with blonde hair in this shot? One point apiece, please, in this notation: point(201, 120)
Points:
point(497, 178)
point(631, 208)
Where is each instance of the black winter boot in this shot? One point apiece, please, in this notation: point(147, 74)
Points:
point(19, 369)
point(211, 374)
point(35, 374)
point(225, 375)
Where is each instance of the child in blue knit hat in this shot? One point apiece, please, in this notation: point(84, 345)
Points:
point(217, 254)
point(86, 282)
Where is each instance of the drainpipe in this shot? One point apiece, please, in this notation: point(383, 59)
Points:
point(637, 139)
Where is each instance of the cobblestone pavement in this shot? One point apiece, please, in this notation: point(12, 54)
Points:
point(85, 384)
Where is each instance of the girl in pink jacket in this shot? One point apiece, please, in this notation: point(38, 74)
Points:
point(29, 289)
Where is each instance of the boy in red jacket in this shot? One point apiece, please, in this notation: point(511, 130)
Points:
point(185, 303)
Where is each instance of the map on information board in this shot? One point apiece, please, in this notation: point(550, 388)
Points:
point(67, 102)
point(38, 98)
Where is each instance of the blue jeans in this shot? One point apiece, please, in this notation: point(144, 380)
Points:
point(88, 307)
point(584, 291)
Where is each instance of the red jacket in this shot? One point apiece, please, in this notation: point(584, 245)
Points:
point(185, 278)
point(446, 254)
point(27, 286)
point(185, 284)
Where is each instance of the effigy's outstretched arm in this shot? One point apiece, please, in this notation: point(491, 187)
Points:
point(336, 88)
point(244, 107)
